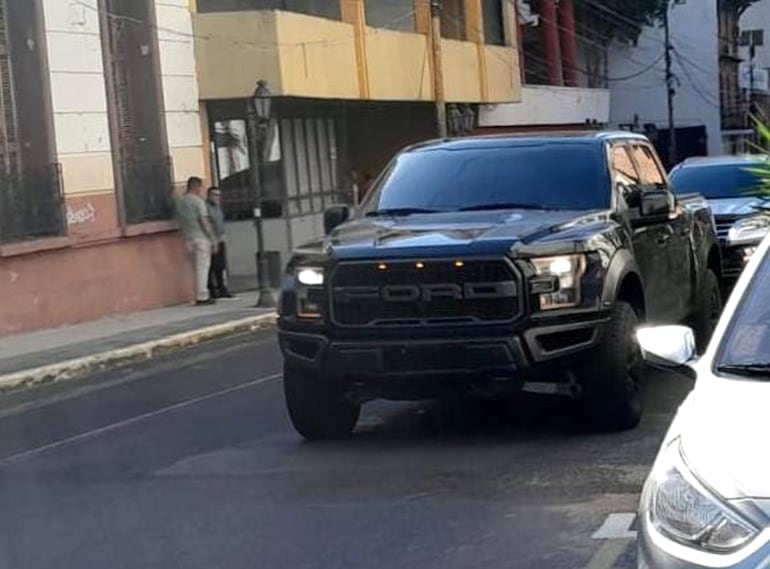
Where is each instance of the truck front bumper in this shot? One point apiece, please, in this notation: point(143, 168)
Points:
point(429, 365)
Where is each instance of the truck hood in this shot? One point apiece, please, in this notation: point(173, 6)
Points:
point(467, 233)
point(724, 430)
point(734, 206)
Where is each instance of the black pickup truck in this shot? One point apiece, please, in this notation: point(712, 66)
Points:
point(487, 264)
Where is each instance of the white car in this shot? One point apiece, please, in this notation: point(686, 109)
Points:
point(706, 502)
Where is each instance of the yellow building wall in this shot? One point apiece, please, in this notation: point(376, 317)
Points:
point(305, 56)
point(461, 71)
point(238, 49)
point(317, 57)
point(503, 74)
point(398, 66)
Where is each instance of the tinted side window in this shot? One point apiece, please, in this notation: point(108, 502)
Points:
point(623, 168)
point(625, 176)
point(649, 170)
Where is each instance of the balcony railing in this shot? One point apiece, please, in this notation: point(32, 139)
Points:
point(31, 204)
point(148, 190)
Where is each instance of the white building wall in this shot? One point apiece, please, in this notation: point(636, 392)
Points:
point(544, 105)
point(694, 29)
point(78, 96)
point(180, 87)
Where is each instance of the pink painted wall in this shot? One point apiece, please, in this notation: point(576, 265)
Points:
point(66, 286)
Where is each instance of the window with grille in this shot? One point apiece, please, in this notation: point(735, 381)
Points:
point(142, 165)
point(31, 204)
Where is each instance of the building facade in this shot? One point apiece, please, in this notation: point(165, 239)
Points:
point(558, 92)
point(710, 107)
point(753, 80)
point(352, 82)
point(100, 123)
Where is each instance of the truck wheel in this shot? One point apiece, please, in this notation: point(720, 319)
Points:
point(318, 408)
point(708, 310)
point(610, 381)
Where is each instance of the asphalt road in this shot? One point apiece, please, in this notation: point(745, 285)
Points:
point(190, 462)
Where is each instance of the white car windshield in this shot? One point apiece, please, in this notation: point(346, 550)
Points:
point(745, 348)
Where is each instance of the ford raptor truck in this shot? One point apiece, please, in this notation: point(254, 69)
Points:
point(481, 265)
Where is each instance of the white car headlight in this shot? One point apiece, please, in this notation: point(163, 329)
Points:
point(682, 509)
point(310, 276)
point(568, 270)
point(749, 231)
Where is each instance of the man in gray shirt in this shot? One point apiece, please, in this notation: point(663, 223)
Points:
point(193, 216)
point(217, 273)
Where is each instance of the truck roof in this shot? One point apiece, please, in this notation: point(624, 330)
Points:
point(513, 140)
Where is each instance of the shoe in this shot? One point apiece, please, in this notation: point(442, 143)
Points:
point(206, 302)
point(226, 294)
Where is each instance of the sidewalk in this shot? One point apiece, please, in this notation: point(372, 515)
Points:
point(63, 353)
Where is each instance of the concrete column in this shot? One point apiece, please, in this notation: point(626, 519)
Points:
point(568, 41)
point(551, 44)
point(354, 12)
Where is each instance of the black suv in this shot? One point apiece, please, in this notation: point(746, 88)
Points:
point(486, 264)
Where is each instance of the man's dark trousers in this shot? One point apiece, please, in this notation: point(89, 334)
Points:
point(217, 284)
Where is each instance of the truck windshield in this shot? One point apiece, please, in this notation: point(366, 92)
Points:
point(714, 182)
point(567, 176)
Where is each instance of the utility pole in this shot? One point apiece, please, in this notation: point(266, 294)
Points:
point(438, 69)
point(671, 91)
point(752, 55)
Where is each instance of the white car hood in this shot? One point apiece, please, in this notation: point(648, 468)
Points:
point(725, 433)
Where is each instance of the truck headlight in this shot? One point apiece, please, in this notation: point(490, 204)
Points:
point(310, 291)
point(310, 276)
point(567, 271)
point(749, 231)
point(681, 509)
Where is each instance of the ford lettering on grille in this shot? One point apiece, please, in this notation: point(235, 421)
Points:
point(426, 293)
point(432, 293)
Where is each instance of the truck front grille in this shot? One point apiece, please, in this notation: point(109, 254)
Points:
point(410, 293)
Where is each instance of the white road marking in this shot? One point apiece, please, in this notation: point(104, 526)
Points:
point(14, 458)
point(609, 553)
point(617, 536)
point(616, 526)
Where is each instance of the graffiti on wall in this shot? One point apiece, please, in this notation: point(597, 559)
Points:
point(86, 214)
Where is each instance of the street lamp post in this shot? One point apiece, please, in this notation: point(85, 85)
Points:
point(258, 110)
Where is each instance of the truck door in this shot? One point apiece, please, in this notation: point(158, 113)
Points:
point(676, 237)
point(650, 255)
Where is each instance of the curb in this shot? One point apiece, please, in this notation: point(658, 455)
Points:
point(77, 367)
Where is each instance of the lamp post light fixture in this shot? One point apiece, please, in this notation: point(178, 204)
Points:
point(258, 116)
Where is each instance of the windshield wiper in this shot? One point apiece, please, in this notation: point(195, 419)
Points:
point(400, 211)
point(747, 370)
point(502, 205)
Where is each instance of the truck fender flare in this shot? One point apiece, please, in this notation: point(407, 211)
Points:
point(622, 265)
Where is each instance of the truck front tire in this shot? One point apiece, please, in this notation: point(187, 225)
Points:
point(708, 310)
point(317, 407)
point(612, 396)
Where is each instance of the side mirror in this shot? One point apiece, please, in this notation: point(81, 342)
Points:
point(655, 203)
point(335, 216)
point(668, 347)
